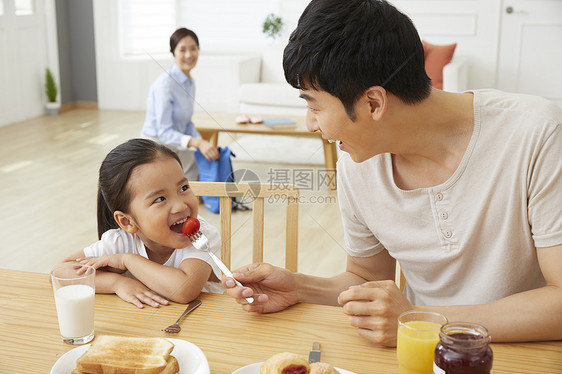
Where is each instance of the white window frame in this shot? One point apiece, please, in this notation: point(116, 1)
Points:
point(24, 7)
point(222, 26)
point(132, 14)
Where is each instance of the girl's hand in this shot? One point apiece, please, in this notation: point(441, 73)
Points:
point(374, 308)
point(136, 293)
point(115, 262)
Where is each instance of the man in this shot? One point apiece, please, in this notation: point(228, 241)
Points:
point(464, 190)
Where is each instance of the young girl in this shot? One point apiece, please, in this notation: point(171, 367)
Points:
point(142, 255)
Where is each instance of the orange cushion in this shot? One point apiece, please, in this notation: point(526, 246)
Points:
point(436, 57)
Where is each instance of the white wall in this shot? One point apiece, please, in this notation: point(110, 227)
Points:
point(124, 83)
point(472, 24)
point(27, 47)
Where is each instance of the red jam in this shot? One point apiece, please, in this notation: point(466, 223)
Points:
point(295, 369)
point(464, 348)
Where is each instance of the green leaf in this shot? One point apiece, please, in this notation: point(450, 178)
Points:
point(50, 86)
point(272, 26)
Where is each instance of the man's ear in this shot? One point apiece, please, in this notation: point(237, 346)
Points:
point(377, 99)
point(125, 222)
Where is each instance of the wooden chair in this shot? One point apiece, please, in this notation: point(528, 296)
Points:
point(259, 193)
point(399, 277)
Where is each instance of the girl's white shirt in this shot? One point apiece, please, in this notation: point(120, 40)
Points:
point(119, 241)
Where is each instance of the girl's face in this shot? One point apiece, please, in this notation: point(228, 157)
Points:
point(161, 202)
point(186, 54)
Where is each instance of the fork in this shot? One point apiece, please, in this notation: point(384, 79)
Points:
point(201, 242)
point(175, 328)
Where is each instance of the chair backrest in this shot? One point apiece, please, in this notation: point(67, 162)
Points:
point(399, 277)
point(259, 193)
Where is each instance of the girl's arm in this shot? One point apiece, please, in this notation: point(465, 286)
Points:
point(181, 284)
point(130, 290)
point(106, 282)
point(72, 257)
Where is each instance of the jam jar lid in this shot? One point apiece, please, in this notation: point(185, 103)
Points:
point(464, 334)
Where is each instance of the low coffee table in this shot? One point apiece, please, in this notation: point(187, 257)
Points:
point(209, 126)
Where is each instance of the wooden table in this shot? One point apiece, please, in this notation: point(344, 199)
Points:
point(209, 126)
point(229, 337)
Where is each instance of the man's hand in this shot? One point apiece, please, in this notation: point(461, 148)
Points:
point(273, 288)
point(374, 308)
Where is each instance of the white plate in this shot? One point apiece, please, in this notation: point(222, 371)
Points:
point(190, 358)
point(255, 369)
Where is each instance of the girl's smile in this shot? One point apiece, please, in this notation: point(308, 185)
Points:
point(177, 226)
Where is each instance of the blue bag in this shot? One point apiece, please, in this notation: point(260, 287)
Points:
point(219, 170)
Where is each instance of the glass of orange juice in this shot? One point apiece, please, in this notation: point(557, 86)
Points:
point(418, 334)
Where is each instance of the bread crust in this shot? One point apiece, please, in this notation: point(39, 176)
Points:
point(322, 368)
point(285, 361)
point(126, 355)
point(172, 367)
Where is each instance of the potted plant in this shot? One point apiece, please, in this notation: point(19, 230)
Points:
point(272, 26)
point(51, 91)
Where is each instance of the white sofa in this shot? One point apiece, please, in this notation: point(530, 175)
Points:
point(267, 91)
point(455, 75)
point(270, 93)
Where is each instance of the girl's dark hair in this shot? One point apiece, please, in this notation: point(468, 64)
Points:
point(115, 170)
point(345, 47)
point(178, 35)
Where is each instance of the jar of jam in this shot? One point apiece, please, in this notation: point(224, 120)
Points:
point(463, 348)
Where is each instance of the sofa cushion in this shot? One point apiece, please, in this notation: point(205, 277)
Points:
point(436, 57)
point(278, 94)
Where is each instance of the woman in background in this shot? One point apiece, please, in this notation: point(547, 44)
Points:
point(170, 105)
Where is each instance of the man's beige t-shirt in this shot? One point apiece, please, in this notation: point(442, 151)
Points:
point(473, 238)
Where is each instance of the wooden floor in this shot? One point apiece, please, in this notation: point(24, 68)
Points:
point(48, 183)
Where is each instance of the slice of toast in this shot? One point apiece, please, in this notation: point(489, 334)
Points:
point(125, 355)
point(172, 367)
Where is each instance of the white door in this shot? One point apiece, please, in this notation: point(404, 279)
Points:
point(530, 51)
point(23, 59)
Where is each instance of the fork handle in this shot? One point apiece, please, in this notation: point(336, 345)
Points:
point(228, 273)
point(190, 307)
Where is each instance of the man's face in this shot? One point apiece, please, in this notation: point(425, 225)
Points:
point(326, 114)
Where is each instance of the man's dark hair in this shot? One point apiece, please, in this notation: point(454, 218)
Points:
point(345, 47)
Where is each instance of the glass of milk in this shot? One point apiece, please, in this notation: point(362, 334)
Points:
point(74, 289)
